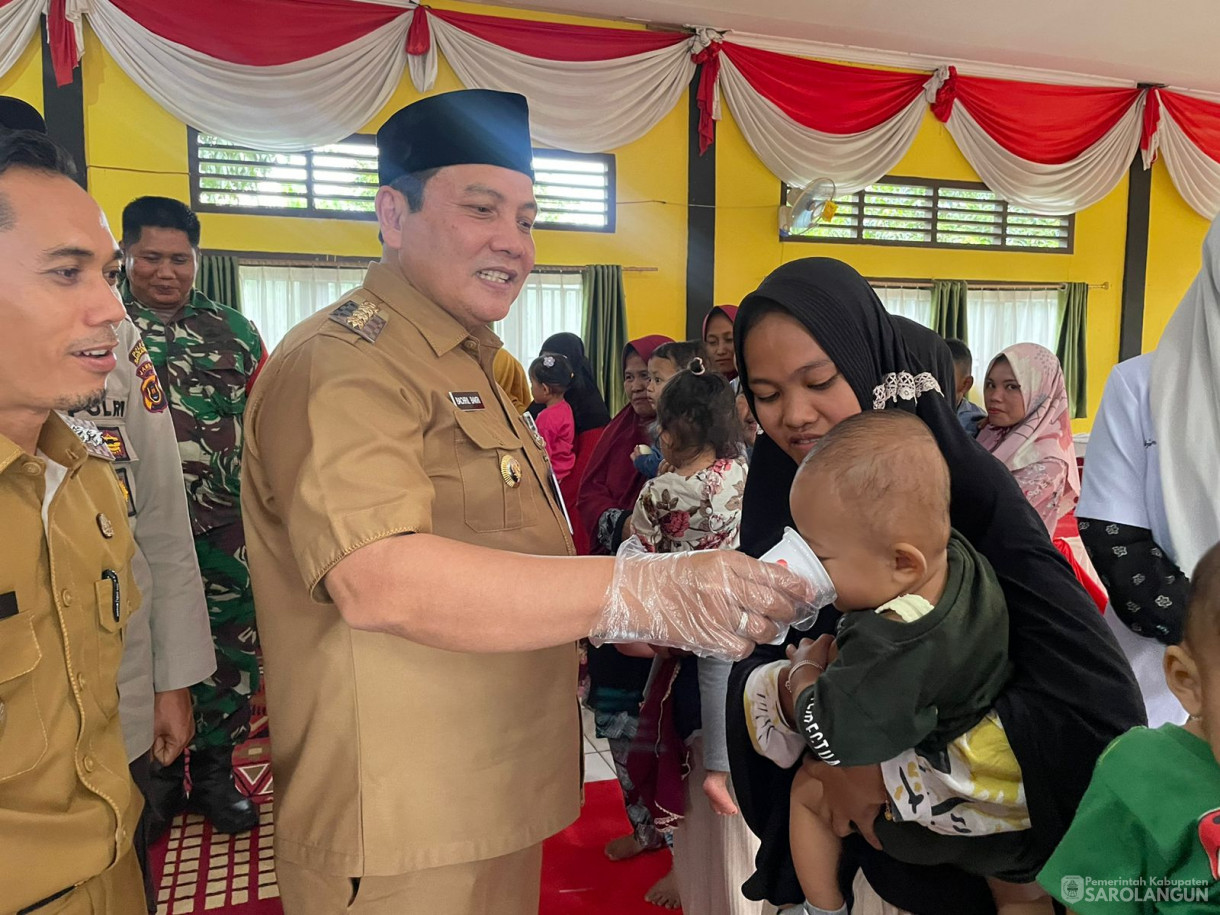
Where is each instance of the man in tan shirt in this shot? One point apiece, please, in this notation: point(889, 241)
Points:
point(422, 688)
point(67, 804)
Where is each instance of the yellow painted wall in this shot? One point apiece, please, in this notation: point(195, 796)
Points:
point(1175, 240)
point(24, 80)
point(748, 245)
point(135, 147)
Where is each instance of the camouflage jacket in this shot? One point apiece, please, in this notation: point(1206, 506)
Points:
point(206, 359)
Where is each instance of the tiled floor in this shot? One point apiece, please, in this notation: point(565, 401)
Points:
point(598, 764)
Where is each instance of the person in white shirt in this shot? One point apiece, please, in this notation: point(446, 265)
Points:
point(1149, 506)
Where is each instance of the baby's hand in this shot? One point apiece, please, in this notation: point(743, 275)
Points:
point(716, 787)
point(821, 652)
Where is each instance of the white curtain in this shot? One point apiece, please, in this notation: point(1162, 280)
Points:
point(580, 105)
point(1051, 190)
point(1195, 174)
point(998, 318)
point(797, 154)
point(18, 23)
point(278, 298)
point(915, 304)
point(299, 105)
point(549, 303)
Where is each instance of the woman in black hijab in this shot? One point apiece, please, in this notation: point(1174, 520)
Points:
point(588, 407)
point(826, 348)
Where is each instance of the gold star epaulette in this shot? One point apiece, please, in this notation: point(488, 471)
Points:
point(91, 436)
point(363, 318)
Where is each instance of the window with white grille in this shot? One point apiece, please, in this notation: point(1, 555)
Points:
point(574, 190)
point(938, 214)
point(339, 180)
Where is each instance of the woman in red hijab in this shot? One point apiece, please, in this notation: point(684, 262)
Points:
point(611, 483)
point(718, 335)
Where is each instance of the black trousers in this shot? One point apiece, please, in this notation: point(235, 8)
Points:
point(140, 774)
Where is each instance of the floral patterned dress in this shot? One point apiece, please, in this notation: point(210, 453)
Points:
point(677, 514)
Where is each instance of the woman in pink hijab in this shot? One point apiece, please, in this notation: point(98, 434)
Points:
point(1029, 429)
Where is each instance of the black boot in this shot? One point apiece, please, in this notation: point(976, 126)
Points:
point(166, 796)
point(214, 795)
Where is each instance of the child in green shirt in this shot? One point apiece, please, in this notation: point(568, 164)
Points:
point(1146, 838)
point(921, 655)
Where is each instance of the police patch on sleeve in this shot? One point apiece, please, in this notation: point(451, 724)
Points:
point(125, 485)
point(363, 318)
point(116, 443)
point(150, 387)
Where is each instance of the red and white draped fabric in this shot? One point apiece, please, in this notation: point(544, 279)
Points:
point(1053, 149)
point(18, 23)
point(806, 119)
point(590, 89)
point(1187, 132)
point(295, 74)
point(272, 74)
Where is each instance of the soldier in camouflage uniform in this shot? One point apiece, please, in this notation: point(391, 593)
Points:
point(206, 356)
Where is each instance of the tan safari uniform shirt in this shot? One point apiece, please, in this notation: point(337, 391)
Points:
point(375, 418)
point(67, 804)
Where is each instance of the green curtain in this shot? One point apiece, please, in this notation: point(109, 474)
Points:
point(1074, 297)
point(949, 308)
point(605, 329)
point(218, 280)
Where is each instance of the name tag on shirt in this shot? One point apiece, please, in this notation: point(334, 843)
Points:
point(467, 400)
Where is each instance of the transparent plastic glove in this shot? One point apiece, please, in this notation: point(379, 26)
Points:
point(715, 603)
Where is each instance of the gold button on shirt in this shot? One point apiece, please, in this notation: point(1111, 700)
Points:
point(380, 416)
point(67, 803)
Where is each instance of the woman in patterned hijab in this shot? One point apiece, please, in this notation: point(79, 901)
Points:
point(1029, 430)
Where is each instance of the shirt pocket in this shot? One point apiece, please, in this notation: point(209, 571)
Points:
point(116, 598)
point(497, 481)
point(23, 734)
point(217, 383)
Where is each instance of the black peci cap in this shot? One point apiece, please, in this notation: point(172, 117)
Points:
point(468, 127)
point(18, 115)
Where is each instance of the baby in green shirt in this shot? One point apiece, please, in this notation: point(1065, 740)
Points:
point(922, 654)
point(1146, 837)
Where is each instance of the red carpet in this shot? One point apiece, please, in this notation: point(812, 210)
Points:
point(202, 873)
point(578, 878)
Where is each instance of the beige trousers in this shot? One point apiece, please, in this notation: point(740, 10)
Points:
point(713, 855)
point(508, 885)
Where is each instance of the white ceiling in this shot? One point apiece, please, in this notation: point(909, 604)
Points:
point(1170, 41)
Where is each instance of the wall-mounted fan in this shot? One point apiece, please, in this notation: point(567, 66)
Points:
point(807, 207)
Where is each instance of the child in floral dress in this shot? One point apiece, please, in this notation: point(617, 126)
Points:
point(696, 505)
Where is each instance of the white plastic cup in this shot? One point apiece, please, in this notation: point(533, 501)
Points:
point(793, 553)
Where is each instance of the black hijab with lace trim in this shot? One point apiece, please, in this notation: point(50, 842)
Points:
point(1071, 691)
